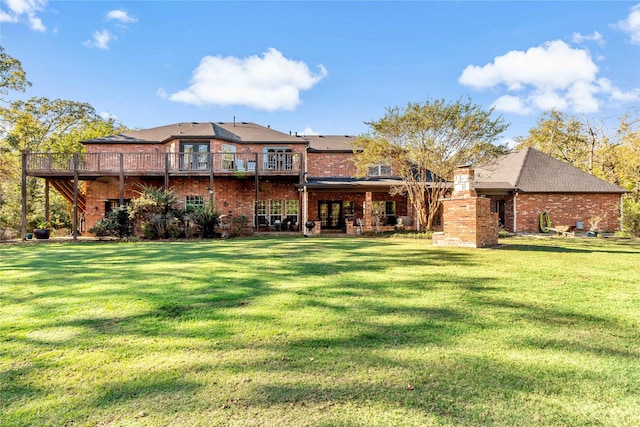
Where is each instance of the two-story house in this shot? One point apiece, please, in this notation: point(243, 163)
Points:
point(283, 181)
point(279, 180)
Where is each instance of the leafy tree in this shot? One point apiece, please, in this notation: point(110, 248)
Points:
point(424, 142)
point(12, 76)
point(42, 125)
point(561, 136)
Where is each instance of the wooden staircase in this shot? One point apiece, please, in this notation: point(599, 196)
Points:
point(65, 188)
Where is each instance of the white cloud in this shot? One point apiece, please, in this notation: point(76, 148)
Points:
point(101, 39)
point(271, 82)
point(308, 131)
point(121, 16)
point(17, 9)
point(595, 37)
point(631, 24)
point(511, 104)
point(553, 75)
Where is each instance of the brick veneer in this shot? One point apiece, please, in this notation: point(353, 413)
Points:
point(567, 209)
point(231, 196)
point(333, 164)
point(563, 209)
point(468, 221)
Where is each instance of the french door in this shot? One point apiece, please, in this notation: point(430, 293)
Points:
point(330, 213)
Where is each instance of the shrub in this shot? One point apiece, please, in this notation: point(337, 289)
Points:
point(631, 216)
point(240, 225)
point(116, 223)
point(155, 208)
point(206, 220)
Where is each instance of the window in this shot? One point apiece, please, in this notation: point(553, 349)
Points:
point(275, 211)
point(228, 157)
point(291, 211)
point(380, 170)
point(261, 212)
point(347, 209)
point(193, 202)
point(278, 158)
point(385, 209)
point(195, 155)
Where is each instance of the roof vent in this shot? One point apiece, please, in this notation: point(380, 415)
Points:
point(320, 136)
point(244, 123)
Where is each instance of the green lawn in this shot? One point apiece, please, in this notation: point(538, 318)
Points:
point(320, 332)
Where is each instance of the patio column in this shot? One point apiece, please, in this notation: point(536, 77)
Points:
point(368, 210)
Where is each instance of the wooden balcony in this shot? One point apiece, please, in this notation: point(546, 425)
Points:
point(92, 165)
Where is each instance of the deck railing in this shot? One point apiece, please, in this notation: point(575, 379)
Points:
point(160, 163)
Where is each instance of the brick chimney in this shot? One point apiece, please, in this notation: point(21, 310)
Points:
point(463, 185)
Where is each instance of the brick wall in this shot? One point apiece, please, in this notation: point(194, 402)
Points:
point(468, 221)
point(567, 209)
point(231, 195)
point(331, 164)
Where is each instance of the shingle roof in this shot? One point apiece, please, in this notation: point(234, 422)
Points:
point(330, 142)
point(530, 171)
point(241, 132)
point(345, 183)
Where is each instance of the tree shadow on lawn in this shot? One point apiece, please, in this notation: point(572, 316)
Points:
point(572, 246)
point(455, 389)
point(452, 388)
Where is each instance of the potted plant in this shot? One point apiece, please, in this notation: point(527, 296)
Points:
point(42, 230)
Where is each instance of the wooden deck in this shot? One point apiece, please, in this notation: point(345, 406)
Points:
point(93, 165)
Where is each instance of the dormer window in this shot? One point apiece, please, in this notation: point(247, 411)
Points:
point(380, 170)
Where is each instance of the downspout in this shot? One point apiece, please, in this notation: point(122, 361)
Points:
point(515, 212)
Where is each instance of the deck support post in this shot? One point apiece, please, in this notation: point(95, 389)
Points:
point(211, 192)
point(255, 203)
point(166, 171)
point(24, 196)
point(121, 189)
point(75, 197)
point(47, 209)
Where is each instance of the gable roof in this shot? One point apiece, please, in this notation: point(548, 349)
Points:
point(330, 143)
point(531, 171)
point(240, 132)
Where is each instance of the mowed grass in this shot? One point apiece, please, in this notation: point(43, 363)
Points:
point(320, 332)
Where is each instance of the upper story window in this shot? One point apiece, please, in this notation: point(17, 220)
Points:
point(380, 170)
point(194, 155)
point(278, 158)
point(228, 157)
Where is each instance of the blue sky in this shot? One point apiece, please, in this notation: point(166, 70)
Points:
point(327, 67)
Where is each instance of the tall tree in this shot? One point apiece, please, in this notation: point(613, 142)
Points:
point(561, 136)
point(42, 125)
point(12, 76)
point(424, 142)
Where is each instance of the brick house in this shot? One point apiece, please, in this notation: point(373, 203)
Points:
point(523, 184)
point(281, 181)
